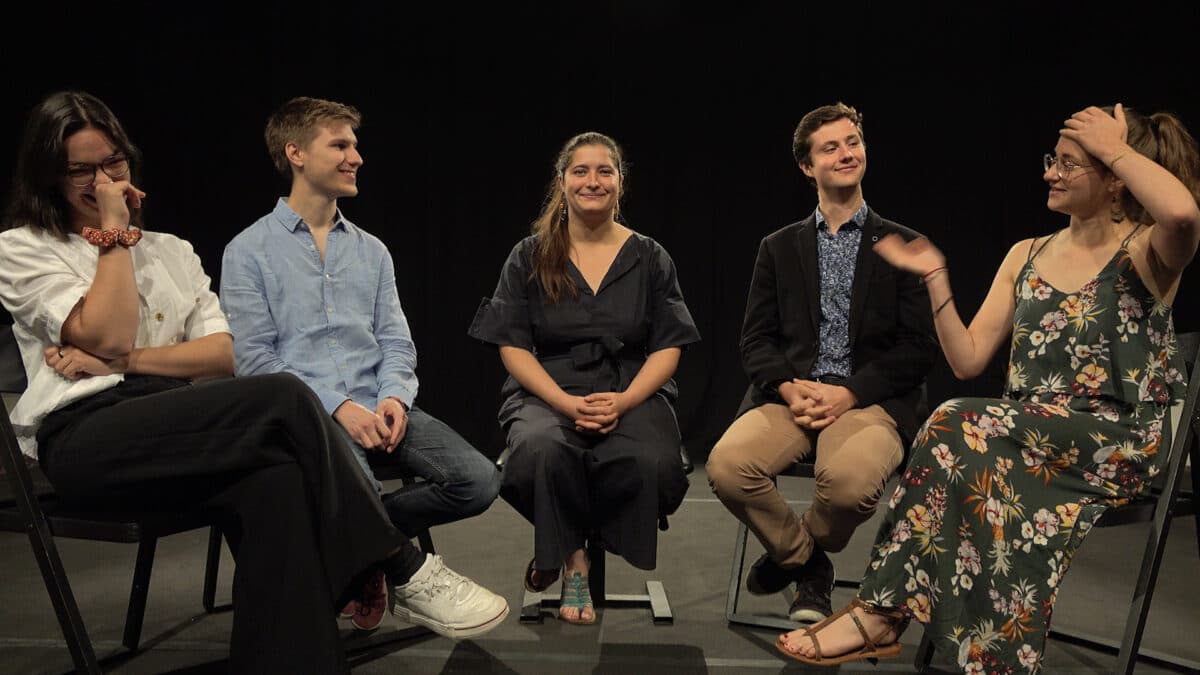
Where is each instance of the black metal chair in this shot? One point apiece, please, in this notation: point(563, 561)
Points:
point(1166, 500)
point(534, 605)
point(34, 510)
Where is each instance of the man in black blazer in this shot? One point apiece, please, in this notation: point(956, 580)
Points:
point(837, 344)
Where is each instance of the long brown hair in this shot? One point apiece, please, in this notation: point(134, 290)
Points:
point(553, 238)
point(1163, 138)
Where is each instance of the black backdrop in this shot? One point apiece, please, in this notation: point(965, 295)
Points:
point(464, 109)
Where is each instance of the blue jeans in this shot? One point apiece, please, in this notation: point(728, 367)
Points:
point(456, 480)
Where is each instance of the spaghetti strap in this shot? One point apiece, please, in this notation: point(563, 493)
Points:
point(1137, 228)
point(1032, 253)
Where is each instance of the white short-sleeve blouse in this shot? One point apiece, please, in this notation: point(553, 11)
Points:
point(43, 278)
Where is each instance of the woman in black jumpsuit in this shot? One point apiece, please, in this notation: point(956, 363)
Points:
point(590, 323)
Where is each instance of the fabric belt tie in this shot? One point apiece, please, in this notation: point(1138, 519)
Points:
point(605, 351)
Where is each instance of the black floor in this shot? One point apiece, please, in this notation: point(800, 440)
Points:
point(694, 562)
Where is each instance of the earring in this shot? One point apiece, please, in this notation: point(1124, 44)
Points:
point(562, 213)
point(1115, 211)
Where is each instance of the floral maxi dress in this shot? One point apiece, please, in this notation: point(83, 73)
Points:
point(999, 493)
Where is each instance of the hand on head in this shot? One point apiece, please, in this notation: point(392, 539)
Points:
point(1099, 134)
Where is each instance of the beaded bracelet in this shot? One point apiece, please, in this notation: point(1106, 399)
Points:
point(110, 238)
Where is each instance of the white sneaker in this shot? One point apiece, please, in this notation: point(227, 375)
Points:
point(447, 603)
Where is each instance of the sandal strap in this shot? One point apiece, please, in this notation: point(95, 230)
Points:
point(575, 591)
point(896, 620)
point(868, 643)
point(812, 636)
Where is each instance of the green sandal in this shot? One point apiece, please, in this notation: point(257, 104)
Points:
point(575, 593)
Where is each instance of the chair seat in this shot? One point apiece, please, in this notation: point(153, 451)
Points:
point(73, 522)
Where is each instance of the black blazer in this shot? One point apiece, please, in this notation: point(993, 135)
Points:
point(892, 339)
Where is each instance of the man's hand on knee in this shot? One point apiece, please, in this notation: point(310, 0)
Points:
point(365, 427)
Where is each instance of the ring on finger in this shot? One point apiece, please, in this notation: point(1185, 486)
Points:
point(60, 354)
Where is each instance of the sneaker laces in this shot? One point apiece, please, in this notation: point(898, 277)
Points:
point(442, 580)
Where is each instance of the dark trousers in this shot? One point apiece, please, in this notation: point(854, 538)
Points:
point(305, 520)
point(571, 484)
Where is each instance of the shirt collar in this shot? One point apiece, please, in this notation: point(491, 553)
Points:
point(291, 220)
point(859, 218)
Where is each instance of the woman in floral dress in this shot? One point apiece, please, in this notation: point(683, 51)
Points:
point(999, 493)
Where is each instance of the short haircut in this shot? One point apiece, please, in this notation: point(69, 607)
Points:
point(299, 121)
point(802, 146)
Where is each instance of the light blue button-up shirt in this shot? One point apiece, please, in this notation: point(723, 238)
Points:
point(334, 323)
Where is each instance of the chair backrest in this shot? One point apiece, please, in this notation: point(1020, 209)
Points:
point(1189, 349)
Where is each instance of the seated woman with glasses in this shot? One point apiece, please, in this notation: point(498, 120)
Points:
point(590, 323)
point(123, 343)
point(999, 493)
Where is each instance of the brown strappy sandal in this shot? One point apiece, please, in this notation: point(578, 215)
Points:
point(897, 621)
point(545, 578)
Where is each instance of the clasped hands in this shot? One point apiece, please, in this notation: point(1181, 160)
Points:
point(598, 412)
point(379, 430)
point(74, 363)
point(816, 405)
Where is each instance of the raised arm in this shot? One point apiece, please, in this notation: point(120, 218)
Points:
point(1170, 204)
point(968, 350)
point(105, 321)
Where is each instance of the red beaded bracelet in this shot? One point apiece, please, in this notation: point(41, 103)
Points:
point(110, 238)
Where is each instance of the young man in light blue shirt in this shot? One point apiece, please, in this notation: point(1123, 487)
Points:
point(308, 292)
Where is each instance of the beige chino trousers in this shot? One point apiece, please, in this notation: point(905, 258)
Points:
point(855, 456)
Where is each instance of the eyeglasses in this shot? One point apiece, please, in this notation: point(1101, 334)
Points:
point(81, 174)
point(1063, 167)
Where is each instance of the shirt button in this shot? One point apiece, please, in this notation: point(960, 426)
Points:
point(332, 341)
point(158, 316)
point(329, 309)
point(328, 276)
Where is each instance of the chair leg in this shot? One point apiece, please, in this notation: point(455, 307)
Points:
point(426, 542)
point(924, 653)
point(735, 572)
point(63, 600)
point(596, 572)
point(1156, 544)
point(732, 615)
point(212, 568)
point(1195, 454)
point(655, 598)
point(138, 592)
